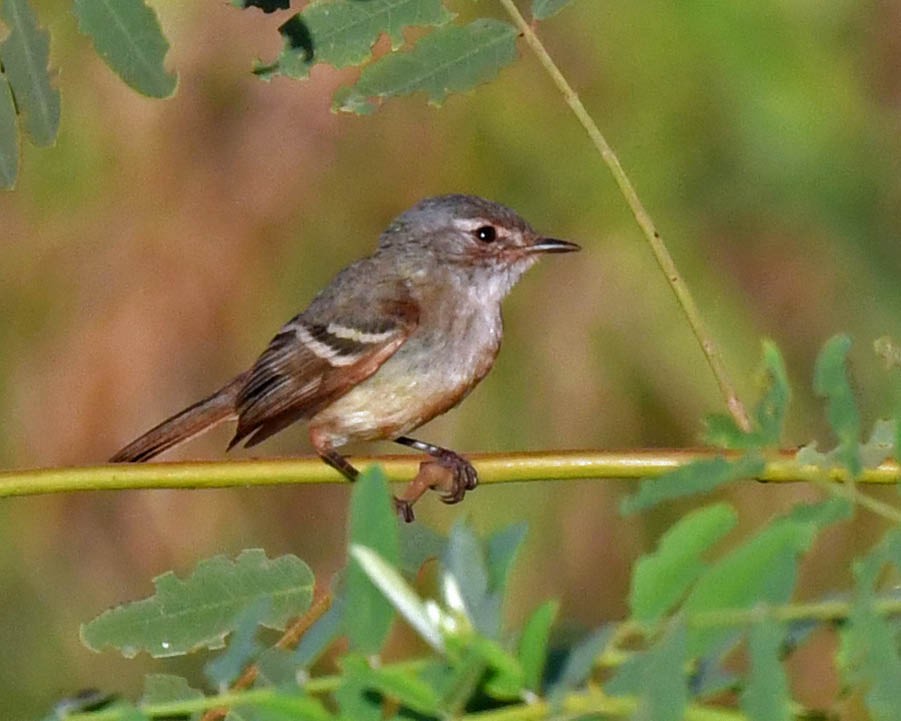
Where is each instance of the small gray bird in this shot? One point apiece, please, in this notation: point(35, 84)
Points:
point(394, 340)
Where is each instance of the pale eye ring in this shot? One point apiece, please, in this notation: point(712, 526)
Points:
point(486, 233)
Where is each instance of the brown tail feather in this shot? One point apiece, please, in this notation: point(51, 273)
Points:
point(190, 422)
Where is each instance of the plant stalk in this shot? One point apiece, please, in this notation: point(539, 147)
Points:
point(664, 259)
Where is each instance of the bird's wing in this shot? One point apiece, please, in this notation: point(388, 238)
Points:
point(318, 357)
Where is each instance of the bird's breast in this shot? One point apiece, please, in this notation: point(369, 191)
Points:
point(448, 353)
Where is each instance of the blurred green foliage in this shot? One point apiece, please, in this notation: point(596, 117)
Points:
point(157, 247)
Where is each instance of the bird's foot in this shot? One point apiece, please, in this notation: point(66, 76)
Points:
point(449, 474)
point(462, 476)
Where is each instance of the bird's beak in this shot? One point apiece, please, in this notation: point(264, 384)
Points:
point(552, 245)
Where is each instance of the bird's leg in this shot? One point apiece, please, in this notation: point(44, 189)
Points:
point(403, 507)
point(339, 463)
point(463, 475)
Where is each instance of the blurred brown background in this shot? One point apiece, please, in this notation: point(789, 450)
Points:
point(155, 250)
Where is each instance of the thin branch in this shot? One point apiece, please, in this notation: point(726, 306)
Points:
point(493, 468)
point(288, 641)
point(664, 259)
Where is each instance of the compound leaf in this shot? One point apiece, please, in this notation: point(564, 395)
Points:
point(761, 570)
point(869, 654)
point(698, 477)
point(128, 36)
point(661, 578)
point(184, 615)
point(9, 136)
point(451, 59)
point(25, 55)
point(342, 32)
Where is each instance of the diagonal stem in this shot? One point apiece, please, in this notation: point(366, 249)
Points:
point(664, 259)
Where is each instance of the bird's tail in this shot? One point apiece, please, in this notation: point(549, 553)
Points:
point(192, 421)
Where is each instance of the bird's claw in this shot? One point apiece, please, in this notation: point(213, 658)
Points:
point(446, 472)
point(463, 476)
point(404, 509)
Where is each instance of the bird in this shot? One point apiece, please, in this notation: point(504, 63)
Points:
point(394, 340)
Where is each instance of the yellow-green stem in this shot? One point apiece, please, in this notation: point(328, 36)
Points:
point(664, 259)
point(492, 468)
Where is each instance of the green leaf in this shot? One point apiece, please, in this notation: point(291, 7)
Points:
point(656, 677)
point(399, 684)
point(456, 682)
point(373, 524)
point(533, 644)
point(580, 663)
point(321, 635)
point(465, 582)
point(721, 430)
point(290, 705)
point(821, 514)
point(25, 55)
point(164, 687)
point(765, 697)
point(501, 548)
point(342, 32)
point(506, 678)
point(809, 455)
point(9, 136)
point(355, 702)
point(880, 445)
point(128, 36)
point(419, 544)
point(869, 653)
point(761, 570)
point(698, 477)
point(404, 598)
point(242, 647)
point(450, 59)
point(769, 413)
point(199, 612)
point(831, 382)
point(543, 9)
point(662, 578)
point(276, 667)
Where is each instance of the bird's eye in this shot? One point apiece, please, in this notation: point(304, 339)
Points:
point(487, 234)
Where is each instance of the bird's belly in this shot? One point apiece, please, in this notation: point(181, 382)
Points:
point(409, 389)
